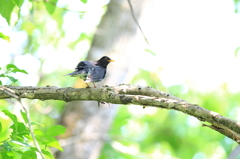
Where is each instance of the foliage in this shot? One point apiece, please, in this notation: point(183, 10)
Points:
point(15, 139)
point(19, 142)
point(11, 68)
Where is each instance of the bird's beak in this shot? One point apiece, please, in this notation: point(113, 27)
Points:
point(111, 60)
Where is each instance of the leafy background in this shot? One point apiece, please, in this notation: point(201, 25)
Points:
point(193, 55)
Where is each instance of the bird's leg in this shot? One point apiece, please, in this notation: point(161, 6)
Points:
point(94, 84)
point(87, 85)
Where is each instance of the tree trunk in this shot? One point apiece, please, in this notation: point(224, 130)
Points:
point(87, 124)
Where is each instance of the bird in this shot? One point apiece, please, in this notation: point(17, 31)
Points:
point(91, 71)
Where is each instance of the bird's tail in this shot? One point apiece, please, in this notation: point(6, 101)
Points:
point(71, 74)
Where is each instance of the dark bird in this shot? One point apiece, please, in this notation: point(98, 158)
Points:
point(91, 71)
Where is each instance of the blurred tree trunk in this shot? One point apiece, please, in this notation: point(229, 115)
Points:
point(87, 124)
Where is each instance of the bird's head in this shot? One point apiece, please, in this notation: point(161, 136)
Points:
point(104, 61)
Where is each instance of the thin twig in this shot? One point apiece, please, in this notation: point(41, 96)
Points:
point(135, 20)
point(12, 93)
point(31, 131)
point(9, 92)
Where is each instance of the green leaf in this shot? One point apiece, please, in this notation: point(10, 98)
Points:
point(14, 80)
point(51, 141)
point(34, 149)
point(38, 132)
point(20, 132)
point(18, 2)
point(0, 83)
point(150, 51)
point(47, 140)
point(11, 116)
point(24, 115)
point(0, 126)
point(6, 8)
point(11, 153)
point(84, 1)
point(22, 129)
point(29, 155)
point(24, 156)
point(47, 153)
point(51, 6)
point(2, 75)
point(56, 130)
point(18, 70)
point(13, 68)
point(4, 37)
point(5, 155)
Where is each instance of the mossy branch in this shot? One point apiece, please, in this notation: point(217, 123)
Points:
point(129, 94)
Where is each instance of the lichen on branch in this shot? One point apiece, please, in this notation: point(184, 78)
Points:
point(129, 94)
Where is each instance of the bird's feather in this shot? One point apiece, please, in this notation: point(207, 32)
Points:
point(91, 71)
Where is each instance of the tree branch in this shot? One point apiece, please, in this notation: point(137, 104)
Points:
point(129, 94)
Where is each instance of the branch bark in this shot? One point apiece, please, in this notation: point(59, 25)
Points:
point(128, 94)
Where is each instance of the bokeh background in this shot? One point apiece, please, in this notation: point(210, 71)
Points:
point(193, 53)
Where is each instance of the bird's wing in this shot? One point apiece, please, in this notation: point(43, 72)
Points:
point(81, 66)
point(81, 70)
point(85, 65)
point(96, 74)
